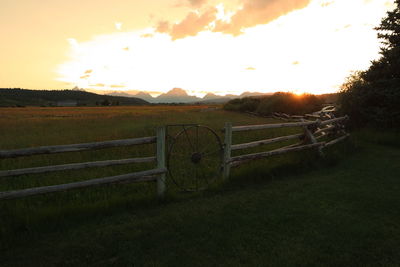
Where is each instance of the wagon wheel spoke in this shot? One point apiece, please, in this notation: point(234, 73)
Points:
point(188, 139)
point(197, 139)
point(194, 158)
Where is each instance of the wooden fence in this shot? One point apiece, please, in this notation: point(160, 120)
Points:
point(157, 174)
point(319, 125)
point(316, 126)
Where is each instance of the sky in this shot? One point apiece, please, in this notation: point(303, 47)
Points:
point(202, 46)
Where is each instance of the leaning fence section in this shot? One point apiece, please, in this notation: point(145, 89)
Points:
point(319, 130)
point(157, 174)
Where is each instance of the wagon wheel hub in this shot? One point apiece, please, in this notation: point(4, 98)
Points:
point(196, 157)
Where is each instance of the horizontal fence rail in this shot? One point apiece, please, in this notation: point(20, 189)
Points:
point(328, 128)
point(274, 152)
point(265, 142)
point(334, 120)
point(316, 126)
point(76, 166)
point(271, 126)
point(137, 177)
point(75, 147)
point(158, 174)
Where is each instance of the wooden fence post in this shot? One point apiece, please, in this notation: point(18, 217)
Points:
point(227, 149)
point(161, 180)
point(312, 138)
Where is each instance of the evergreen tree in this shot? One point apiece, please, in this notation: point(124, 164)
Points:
point(388, 66)
point(373, 96)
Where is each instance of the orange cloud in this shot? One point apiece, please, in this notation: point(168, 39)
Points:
point(197, 3)
point(98, 85)
point(325, 4)
point(252, 13)
point(193, 24)
point(255, 12)
point(191, 3)
point(147, 35)
point(163, 27)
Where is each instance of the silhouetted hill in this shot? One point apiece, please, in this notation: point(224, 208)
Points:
point(117, 93)
point(250, 94)
point(176, 95)
point(146, 96)
point(209, 96)
point(24, 97)
point(218, 100)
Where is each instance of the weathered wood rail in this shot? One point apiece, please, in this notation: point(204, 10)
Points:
point(324, 125)
point(157, 174)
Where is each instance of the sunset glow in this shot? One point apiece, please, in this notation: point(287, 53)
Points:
point(213, 47)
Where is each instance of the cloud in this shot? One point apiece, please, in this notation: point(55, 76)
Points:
point(250, 68)
point(86, 74)
point(163, 27)
point(190, 3)
point(295, 63)
point(147, 35)
point(347, 26)
point(326, 4)
point(117, 86)
point(252, 13)
point(191, 25)
point(197, 3)
point(255, 12)
point(126, 48)
point(118, 25)
point(98, 85)
point(73, 42)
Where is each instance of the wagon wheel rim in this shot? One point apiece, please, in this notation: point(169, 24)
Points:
point(195, 158)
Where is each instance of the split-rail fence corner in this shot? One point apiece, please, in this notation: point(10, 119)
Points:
point(315, 127)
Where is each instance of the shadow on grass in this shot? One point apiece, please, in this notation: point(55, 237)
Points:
point(289, 166)
point(22, 218)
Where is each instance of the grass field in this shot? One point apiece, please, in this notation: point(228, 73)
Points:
point(289, 210)
point(30, 127)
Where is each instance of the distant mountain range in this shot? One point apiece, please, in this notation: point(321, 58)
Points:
point(79, 97)
point(178, 95)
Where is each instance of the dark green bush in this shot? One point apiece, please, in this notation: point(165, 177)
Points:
point(371, 103)
point(290, 104)
point(246, 104)
point(279, 102)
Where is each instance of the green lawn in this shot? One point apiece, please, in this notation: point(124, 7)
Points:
point(292, 210)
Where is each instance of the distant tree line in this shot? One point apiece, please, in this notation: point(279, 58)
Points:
point(279, 102)
point(24, 97)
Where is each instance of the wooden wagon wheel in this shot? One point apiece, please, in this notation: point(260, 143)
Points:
point(195, 157)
